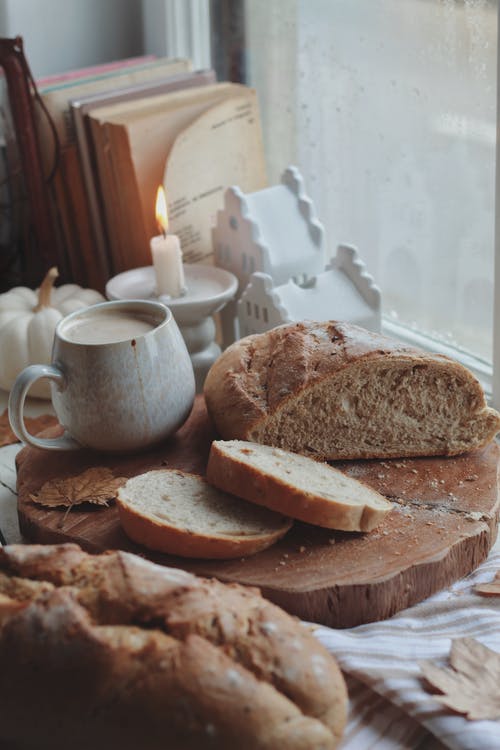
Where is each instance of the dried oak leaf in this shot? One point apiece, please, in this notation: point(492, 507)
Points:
point(97, 486)
point(489, 589)
point(34, 425)
point(471, 685)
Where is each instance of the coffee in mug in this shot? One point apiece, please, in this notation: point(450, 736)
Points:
point(121, 378)
point(108, 327)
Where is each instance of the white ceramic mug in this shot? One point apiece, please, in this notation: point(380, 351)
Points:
point(121, 379)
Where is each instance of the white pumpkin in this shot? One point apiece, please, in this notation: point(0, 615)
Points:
point(28, 320)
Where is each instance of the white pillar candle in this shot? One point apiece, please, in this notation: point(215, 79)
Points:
point(167, 262)
point(167, 254)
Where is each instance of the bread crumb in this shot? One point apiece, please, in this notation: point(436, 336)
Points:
point(414, 471)
point(302, 549)
point(380, 476)
point(331, 541)
point(471, 478)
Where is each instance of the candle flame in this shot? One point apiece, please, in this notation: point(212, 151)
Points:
point(161, 210)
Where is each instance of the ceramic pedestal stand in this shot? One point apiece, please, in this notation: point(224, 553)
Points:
point(207, 290)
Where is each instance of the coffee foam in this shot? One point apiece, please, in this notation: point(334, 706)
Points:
point(108, 327)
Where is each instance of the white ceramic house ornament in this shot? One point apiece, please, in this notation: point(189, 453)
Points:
point(274, 231)
point(343, 291)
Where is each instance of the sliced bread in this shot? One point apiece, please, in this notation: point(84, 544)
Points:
point(179, 513)
point(295, 485)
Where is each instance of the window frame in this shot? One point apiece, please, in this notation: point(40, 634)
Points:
point(495, 376)
point(178, 28)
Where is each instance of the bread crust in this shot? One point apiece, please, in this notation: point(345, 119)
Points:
point(261, 377)
point(114, 651)
point(161, 537)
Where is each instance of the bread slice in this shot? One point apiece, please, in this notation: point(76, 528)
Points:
point(179, 513)
point(335, 391)
point(295, 485)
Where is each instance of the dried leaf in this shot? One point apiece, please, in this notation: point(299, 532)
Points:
point(34, 425)
point(489, 589)
point(97, 486)
point(471, 685)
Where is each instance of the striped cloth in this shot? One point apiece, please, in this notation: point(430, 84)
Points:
point(386, 655)
point(376, 723)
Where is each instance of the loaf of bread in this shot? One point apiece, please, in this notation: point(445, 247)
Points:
point(112, 651)
point(335, 391)
point(178, 513)
point(295, 485)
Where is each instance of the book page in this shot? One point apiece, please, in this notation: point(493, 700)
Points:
point(130, 153)
point(82, 107)
point(129, 112)
point(91, 72)
point(152, 135)
point(222, 148)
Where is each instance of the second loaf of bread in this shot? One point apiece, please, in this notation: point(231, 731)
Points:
point(112, 651)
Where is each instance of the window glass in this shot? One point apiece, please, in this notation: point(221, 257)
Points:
point(389, 110)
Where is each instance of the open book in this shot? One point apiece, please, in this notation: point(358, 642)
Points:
point(82, 107)
point(198, 142)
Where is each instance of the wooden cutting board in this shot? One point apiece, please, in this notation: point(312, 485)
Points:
point(443, 524)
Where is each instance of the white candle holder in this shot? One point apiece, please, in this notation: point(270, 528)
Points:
point(207, 290)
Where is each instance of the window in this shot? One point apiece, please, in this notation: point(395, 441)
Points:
point(388, 108)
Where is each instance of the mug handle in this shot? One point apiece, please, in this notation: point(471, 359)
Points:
point(17, 397)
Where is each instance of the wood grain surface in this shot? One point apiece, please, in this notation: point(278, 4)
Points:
point(443, 525)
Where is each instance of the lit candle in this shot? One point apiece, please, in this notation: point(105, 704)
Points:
point(167, 253)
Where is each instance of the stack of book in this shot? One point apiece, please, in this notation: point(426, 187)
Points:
point(111, 135)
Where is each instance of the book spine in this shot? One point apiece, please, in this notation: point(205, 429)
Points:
point(106, 190)
point(134, 241)
point(90, 272)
